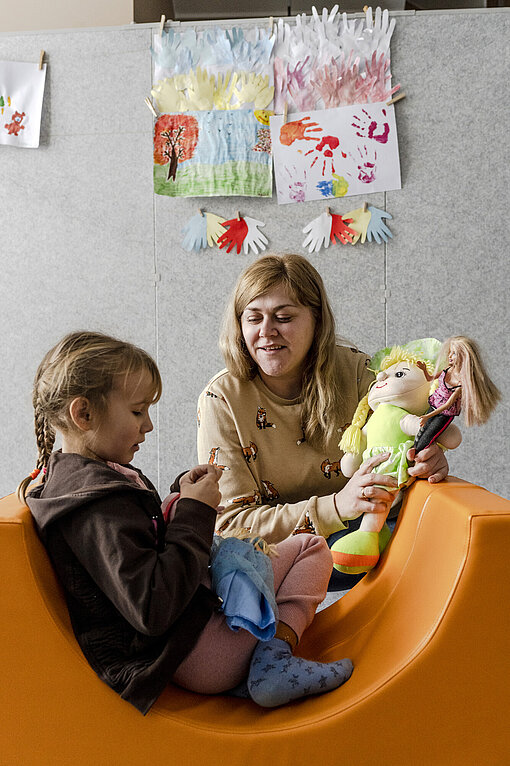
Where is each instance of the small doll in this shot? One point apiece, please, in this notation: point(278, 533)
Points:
point(463, 384)
point(397, 400)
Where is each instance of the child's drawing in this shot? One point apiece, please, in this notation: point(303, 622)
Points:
point(21, 97)
point(342, 151)
point(211, 153)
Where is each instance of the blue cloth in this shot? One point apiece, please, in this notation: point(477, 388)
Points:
point(243, 577)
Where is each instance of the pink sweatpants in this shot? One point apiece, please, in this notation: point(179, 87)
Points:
point(221, 658)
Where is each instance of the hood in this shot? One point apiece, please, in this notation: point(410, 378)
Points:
point(71, 482)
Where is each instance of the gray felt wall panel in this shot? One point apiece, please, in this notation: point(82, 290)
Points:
point(86, 243)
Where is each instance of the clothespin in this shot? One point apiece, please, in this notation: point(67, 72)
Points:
point(285, 113)
point(328, 211)
point(201, 211)
point(397, 98)
point(270, 25)
point(162, 24)
point(365, 207)
point(238, 215)
point(41, 59)
point(151, 106)
point(365, 8)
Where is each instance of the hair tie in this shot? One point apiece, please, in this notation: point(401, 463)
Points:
point(35, 473)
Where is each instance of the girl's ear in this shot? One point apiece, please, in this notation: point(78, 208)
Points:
point(80, 413)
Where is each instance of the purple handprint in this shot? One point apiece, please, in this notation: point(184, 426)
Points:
point(366, 166)
point(297, 186)
point(367, 127)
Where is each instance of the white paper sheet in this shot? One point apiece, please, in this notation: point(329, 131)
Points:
point(335, 152)
point(21, 98)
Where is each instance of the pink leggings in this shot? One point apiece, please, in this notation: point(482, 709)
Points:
point(221, 658)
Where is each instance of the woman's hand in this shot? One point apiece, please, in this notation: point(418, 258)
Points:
point(201, 483)
point(430, 463)
point(361, 495)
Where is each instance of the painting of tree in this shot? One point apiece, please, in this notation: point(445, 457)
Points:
point(175, 139)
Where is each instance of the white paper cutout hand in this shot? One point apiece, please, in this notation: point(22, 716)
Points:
point(381, 29)
point(254, 238)
point(318, 232)
point(214, 228)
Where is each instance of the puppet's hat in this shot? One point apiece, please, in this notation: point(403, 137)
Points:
point(426, 349)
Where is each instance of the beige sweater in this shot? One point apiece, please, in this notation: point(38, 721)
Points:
point(274, 483)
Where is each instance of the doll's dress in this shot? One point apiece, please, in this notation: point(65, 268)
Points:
point(384, 434)
point(435, 426)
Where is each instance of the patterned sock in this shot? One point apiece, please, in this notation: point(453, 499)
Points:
point(277, 677)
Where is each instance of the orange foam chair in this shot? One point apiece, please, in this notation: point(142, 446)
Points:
point(428, 631)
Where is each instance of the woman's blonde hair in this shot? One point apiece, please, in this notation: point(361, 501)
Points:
point(321, 395)
point(82, 364)
point(479, 394)
point(351, 439)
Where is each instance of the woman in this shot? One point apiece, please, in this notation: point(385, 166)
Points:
point(273, 419)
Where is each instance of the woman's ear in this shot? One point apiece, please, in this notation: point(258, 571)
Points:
point(80, 413)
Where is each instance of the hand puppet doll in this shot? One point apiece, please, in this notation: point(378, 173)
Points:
point(387, 420)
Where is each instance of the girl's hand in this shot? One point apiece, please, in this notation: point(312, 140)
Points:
point(361, 495)
point(430, 463)
point(201, 483)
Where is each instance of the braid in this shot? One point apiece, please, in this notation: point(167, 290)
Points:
point(44, 434)
point(351, 439)
point(45, 438)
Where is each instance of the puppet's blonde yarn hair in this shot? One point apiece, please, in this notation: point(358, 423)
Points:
point(351, 439)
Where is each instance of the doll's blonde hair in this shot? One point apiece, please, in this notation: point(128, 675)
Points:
point(321, 394)
point(84, 364)
point(351, 439)
point(479, 393)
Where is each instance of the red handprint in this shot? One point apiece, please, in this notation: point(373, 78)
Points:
point(328, 144)
point(295, 131)
point(237, 231)
point(341, 230)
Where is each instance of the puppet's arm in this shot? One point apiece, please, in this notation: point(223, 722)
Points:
point(351, 461)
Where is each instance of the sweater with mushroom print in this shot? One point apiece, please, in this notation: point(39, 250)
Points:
point(273, 482)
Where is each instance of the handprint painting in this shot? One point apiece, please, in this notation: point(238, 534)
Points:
point(212, 153)
point(335, 152)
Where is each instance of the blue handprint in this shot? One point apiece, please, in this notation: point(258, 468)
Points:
point(195, 233)
point(376, 228)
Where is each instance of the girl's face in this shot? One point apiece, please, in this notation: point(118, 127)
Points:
point(123, 426)
point(278, 332)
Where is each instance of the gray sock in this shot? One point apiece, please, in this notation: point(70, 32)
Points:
point(277, 677)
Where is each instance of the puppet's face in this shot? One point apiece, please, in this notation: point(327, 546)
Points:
point(403, 385)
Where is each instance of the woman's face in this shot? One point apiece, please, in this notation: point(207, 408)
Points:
point(278, 332)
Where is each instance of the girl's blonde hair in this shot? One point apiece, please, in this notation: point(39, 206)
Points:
point(351, 439)
point(321, 395)
point(82, 364)
point(479, 394)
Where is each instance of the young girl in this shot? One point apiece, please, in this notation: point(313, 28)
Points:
point(138, 589)
point(464, 384)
